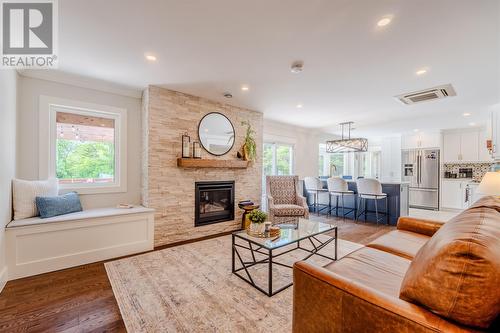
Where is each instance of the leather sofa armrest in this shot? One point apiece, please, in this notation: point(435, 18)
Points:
point(324, 301)
point(419, 226)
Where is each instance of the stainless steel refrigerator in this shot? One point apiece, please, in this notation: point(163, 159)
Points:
point(421, 171)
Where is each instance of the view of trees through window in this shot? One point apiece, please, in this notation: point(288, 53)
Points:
point(85, 149)
point(330, 164)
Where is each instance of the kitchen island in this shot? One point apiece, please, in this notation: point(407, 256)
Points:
point(397, 196)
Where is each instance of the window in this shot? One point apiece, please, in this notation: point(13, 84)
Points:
point(365, 164)
point(83, 145)
point(277, 159)
point(330, 164)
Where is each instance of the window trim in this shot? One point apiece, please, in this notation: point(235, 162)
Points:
point(48, 106)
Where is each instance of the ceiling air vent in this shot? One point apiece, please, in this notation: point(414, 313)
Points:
point(445, 90)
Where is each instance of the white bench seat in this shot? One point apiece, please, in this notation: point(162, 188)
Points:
point(37, 245)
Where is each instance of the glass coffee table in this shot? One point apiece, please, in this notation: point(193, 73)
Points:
point(292, 234)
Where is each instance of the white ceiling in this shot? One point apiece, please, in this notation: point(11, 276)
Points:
point(353, 68)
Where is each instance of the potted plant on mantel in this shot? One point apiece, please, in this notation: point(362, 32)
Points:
point(257, 219)
point(249, 148)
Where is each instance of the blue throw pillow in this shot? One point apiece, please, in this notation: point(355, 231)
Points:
point(60, 205)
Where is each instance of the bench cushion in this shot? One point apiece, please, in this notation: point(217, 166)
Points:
point(85, 214)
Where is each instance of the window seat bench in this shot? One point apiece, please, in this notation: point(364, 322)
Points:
point(37, 245)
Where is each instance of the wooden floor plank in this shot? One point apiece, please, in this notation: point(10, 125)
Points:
point(80, 299)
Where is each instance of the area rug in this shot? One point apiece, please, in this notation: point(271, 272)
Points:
point(190, 288)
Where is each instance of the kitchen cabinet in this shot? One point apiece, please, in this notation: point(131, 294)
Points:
point(421, 140)
point(469, 146)
point(453, 194)
point(495, 134)
point(465, 146)
point(451, 147)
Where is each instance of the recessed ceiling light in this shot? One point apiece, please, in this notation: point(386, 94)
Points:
point(150, 57)
point(421, 71)
point(385, 21)
point(299, 106)
point(466, 114)
point(416, 130)
point(245, 88)
point(472, 124)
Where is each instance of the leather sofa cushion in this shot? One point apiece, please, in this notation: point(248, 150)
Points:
point(372, 268)
point(400, 242)
point(456, 274)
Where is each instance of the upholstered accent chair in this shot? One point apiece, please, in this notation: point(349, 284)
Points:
point(284, 200)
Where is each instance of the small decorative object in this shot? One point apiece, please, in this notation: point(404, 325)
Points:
point(267, 227)
point(196, 150)
point(249, 149)
point(274, 231)
point(247, 206)
point(185, 145)
point(257, 226)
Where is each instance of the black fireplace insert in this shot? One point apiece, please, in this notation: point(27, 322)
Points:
point(214, 202)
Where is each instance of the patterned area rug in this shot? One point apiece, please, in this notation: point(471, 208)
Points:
point(190, 288)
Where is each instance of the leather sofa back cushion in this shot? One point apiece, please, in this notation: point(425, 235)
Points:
point(456, 273)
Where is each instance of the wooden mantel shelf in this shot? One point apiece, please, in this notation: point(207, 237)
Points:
point(211, 163)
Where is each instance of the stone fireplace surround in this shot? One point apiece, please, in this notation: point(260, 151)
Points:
point(169, 189)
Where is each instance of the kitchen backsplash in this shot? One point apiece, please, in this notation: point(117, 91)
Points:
point(478, 169)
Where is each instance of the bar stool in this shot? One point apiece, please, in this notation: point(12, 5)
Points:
point(371, 189)
point(314, 186)
point(339, 188)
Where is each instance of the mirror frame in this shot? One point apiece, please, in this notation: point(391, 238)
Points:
point(232, 126)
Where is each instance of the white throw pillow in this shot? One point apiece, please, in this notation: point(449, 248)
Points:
point(24, 194)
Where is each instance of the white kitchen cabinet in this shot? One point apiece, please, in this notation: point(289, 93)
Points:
point(495, 134)
point(421, 140)
point(469, 146)
point(451, 147)
point(453, 194)
point(410, 141)
point(465, 146)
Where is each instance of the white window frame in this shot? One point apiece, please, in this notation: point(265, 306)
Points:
point(48, 107)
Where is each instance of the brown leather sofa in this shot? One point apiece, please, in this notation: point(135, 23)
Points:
point(402, 281)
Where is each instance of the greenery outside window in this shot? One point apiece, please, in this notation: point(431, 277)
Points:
point(86, 146)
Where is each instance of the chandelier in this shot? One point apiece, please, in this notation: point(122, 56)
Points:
point(347, 145)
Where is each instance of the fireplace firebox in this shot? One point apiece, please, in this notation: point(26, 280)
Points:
point(214, 202)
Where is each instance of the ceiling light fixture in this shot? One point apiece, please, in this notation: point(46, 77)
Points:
point(467, 114)
point(228, 95)
point(150, 57)
point(299, 106)
point(416, 130)
point(245, 88)
point(347, 145)
point(385, 21)
point(421, 71)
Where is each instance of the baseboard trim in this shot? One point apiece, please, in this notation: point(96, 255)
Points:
point(3, 278)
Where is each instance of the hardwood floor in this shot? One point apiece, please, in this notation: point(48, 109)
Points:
point(80, 299)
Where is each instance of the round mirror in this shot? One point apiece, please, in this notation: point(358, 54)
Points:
point(216, 133)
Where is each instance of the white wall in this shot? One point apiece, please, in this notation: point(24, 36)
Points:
point(30, 90)
point(8, 102)
point(306, 144)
